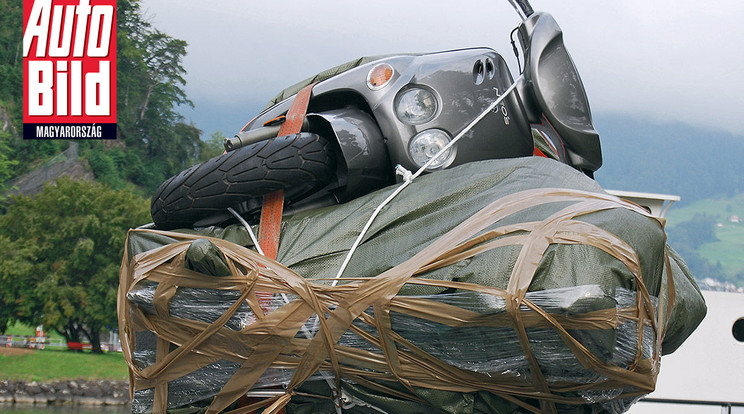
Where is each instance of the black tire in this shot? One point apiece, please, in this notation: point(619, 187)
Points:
point(301, 163)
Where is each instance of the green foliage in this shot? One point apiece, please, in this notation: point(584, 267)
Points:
point(61, 253)
point(22, 153)
point(214, 146)
point(727, 248)
point(153, 141)
point(678, 159)
point(7, 165)
point(688, 236)
point(105, 169)
point(56, 365)
point(150, 90)
point(16, 262)
point(695, 232)
point(62, 248)
point(20, 329)
point(11, 59)
point(710, 243)
point(703, 167)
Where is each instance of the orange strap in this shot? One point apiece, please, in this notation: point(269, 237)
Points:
point(269, 228)
point(296, 113)
point(270, 225)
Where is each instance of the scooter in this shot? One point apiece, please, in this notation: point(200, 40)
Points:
point(367, 118)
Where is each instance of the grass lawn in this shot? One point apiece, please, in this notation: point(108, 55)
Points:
point(48, 365)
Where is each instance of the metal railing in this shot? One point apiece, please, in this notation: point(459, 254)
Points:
point(726, 407)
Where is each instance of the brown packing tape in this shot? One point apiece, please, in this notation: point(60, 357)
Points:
point(271, 341)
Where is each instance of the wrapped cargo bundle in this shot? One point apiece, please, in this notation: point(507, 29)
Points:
point(498, 286)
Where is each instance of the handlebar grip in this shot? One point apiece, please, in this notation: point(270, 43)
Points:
point(242, 139)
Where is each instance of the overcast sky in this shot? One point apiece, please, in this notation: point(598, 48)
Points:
point(663, 60)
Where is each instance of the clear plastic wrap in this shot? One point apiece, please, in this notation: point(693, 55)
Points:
point(203, 305)
point(525, 263)
point(491, 350)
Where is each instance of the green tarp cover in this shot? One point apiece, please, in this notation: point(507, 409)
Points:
point(314, 244)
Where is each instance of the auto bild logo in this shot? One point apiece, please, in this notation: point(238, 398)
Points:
point(69, 69)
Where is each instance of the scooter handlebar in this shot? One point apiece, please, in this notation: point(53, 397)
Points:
point(523, 6)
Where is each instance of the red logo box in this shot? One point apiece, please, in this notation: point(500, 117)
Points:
point(69, 69)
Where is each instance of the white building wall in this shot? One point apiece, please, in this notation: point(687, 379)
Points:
point(708, 367)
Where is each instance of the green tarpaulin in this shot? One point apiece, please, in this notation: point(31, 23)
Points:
point(537, 193)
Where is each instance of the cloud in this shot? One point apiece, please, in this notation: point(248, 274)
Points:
point(666, 60)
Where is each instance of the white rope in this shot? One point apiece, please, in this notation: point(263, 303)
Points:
point(408, 178)
point(327, 377)
point(247, 227)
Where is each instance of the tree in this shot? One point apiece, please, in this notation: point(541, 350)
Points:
point(6, 165)
point(61, 253)
point(214, 146)
point(163, 56)
point(22, 153)
point(15, 265)
point(11, 59)
point(695, 232)
point(153, 141)
point(150, 87)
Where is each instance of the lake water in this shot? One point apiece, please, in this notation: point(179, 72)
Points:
point(58, 409)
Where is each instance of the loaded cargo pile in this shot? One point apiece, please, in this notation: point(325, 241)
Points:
point(498, 286)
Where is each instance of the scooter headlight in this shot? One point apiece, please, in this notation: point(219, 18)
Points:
point(416, 106)
point(425, 145)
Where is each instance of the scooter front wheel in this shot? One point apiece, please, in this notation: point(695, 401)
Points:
point(300, 163)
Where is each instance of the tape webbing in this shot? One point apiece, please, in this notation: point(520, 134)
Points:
point(272, 341)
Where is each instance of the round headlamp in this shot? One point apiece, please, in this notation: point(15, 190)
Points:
point(416, 106)
point(426, 144)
